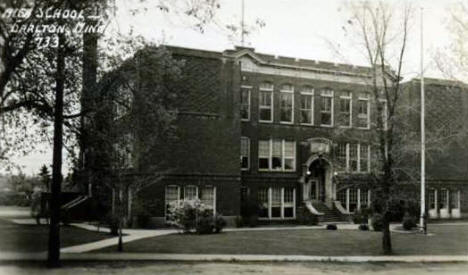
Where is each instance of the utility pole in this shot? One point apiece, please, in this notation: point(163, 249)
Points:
point(423, 137)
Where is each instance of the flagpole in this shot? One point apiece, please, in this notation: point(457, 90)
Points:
point(423, 135)
point(242, 24)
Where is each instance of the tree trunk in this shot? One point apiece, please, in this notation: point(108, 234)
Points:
point(386, 236)
point(53, 257)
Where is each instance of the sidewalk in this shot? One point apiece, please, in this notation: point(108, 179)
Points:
point(130, 235)
point(230, 258)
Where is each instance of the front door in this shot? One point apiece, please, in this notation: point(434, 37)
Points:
point(317, 189)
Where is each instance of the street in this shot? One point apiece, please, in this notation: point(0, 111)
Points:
point(236, 268)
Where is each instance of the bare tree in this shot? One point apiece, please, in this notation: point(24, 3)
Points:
point(453, 61)
point(381, 34)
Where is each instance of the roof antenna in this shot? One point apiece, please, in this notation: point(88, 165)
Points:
point(242, 24)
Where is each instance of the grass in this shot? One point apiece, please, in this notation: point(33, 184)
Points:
point(34, 238)
point(446, 240)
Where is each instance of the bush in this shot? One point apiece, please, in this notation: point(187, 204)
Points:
point(305, 217)
point(205, 225)
point(377, 222)
point(219, 223)
point(360, 217)
point(363, 227)
point(408, 222)
point(249, 212)
point(332, 227)
point(112, 221)
point(14, 199)
point(189, 215)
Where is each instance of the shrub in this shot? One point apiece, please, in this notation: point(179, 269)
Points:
point(305, 217)
point(189, 215)
point(219, 223)
point(377, 222)
point(205, 225)
point(112, 221)
point(408, 222)
point(363, 227)
point(249, 212)
point(183, 215)
point(332, 227)
point(360, 217)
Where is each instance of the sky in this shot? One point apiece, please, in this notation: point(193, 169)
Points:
point(306, 29)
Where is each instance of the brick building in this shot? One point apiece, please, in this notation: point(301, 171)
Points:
point(295, 135)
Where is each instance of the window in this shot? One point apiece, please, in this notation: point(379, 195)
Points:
point(171, 198)
point(287, 104)
point(384, 113)
point(432, 196)
point(443, 199)
point(342, 156)
point(245, 103)
point(123, 152)
point(289, 155)
point(307, 106)
point(353, 158)
point(263, 154)
point(276, 155)
point(245, 153)
point(277, 160)
point(266, 102)
point(363, 198)
point(456, 199)
point(277, 203)
point(352, 199)
point(289, 202)
point(263, 201)
point(326, 108)
point(190, 192)
point(344, 117)
point(207, 197)
point(363, 111)
point(364, 156)
point(123, 101)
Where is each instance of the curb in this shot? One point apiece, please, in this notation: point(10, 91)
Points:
point(98, 257)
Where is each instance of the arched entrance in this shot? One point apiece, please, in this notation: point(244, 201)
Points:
point(318, 184)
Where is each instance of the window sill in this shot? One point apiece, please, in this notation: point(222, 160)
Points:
point(245, 119)
point(307, 124)
point(326, 126)
point(265, 121)
point(286, 122)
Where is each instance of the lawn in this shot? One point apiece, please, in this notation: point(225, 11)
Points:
point(34, 238)
point(446, 240)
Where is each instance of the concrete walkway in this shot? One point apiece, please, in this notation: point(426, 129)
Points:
point(130, 236)
point(230, 258)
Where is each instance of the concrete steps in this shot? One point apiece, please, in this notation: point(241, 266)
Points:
point(329, 215)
